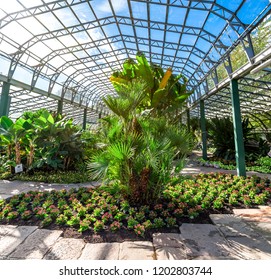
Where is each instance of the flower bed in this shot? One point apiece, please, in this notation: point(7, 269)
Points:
point(95, 210)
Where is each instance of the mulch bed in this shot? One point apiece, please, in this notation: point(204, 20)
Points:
point(120, 235)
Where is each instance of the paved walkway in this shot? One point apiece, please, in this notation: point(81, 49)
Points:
point(193, 167)
point(244, 235)
point(10, 188)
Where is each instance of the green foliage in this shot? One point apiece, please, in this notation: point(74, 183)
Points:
point(59, 177)
point(163, 93)
point(137, 146)
point(41, 141)
point(221, 135)
point(264, 161)
point(96, 210)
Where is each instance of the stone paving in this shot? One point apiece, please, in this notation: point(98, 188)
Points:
point(192, 167)
point(244, 235)
point(10, 188)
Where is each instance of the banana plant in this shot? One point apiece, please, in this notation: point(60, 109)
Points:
point(165, 92)
point(11, 135)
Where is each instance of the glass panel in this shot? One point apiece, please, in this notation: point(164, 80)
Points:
point(83, 12)
point(30, 3)
point(195, 58)
point(251, 9)
point(157, 35)
point(214, 24)
point(156, 50)
point(43, 84)
point(172, 37)
point(188, 39)
point(210, 82)
point(16, 32)
point(176, 15)
point(53, 44)
point(157, 13)
point(261, 37)
point(111, 30)
point(221, 72)
point(143, 48)
point(169, 52)
point(68, 41)
point(142, 32)
point(57, 61)
point(4, 65)
point(231, 5)
point(33, 25)
point(23, 75)
point(82, 37)
point(10, 6)
point(203, 45)
point(102, 7)
point(238, 57)
point(50, 21)
point(183, 54)
point(196, 18)
point(40, 49)
point(139, 10)
point(126, 29)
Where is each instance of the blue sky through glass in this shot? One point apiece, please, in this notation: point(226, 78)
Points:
point(172, 32)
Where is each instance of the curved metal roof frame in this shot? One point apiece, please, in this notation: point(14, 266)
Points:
point(67, 49)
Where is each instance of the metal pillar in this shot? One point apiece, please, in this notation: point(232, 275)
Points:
point(60, 107)
point(203, 130)
point(238, 130)
point(188, 120)
point(85, 119)
point(5, 99)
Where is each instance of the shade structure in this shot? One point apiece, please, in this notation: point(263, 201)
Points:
point(67, 50)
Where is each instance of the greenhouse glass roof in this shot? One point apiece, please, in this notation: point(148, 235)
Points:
point(67, 49)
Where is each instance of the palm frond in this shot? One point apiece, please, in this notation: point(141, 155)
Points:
point(121, 150)
point(98, 166)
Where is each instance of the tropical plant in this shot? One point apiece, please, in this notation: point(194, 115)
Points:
point(221, 135)
point(163, 94)
point(138, 143)
point(41, 140)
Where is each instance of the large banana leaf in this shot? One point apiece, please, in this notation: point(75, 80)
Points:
point(143, 70)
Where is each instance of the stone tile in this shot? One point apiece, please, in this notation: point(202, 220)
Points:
point(170, 253)
point(101, 251)
point(167, 240)
point(169, 246)
point(250, 249)
point(232, 225)
point(5, 230)
point(36, 245)
point(5, 196)
point(204, 240)
point(265, 207)
point(263, 229)
point(10, 242)
point(13, 187)
point(254, 215)
point(66, 249)
point(138, 250)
